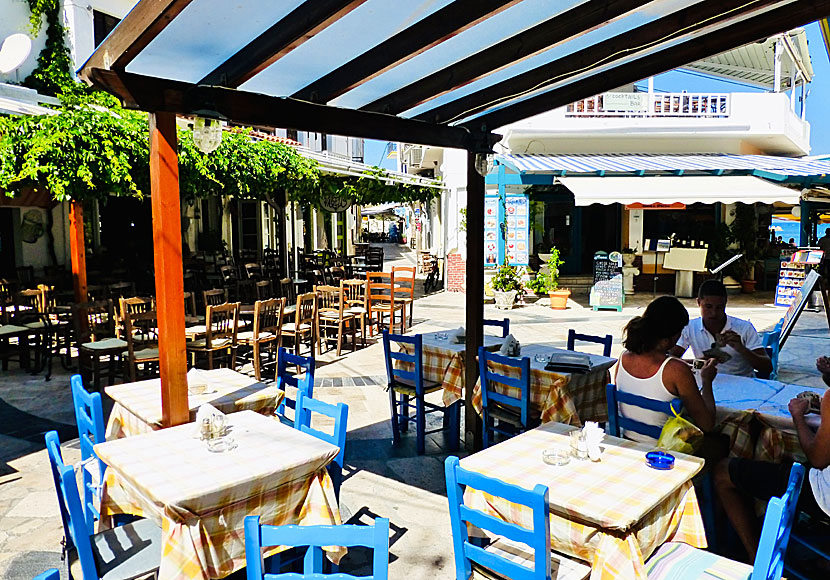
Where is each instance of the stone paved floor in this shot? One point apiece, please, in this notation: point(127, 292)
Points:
point(382, 480)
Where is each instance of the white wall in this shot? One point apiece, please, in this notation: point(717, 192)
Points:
point(14, 18)
point(78, 20)
point(454, 171)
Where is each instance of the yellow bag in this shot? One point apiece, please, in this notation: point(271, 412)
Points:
point(680, 434)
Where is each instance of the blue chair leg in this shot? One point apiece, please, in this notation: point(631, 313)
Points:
point(404, 402)
point(707, 507)
point(421, 425)
point(393, 403)
point(485, 430)
point(455, 424)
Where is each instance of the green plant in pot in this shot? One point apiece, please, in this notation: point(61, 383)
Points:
point(558, 297)
point(744, 231)
point(507, 285)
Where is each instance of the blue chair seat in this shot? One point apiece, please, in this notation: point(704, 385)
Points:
point(129, 551)
point(677, 561)
point(561, 567)
point(407, 386)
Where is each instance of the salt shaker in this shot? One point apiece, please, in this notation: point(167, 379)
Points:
point(204, 429)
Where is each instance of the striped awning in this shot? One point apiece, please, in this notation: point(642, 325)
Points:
point(642, 164)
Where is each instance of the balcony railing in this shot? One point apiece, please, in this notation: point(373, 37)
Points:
point(710, 105)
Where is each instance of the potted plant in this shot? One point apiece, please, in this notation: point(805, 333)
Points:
point(558, 298)
point(507, 284)
point(628, 256)
point(745, 232)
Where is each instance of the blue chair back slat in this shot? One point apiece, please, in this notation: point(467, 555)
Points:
point(75, 524)
point(488, 376)
point(314, 538)
point(616, 422)
point(52, 574)
point(770, 340)
point(503, 324)
point(286, 378)
point(605, 341)
point(537, 538)
point(778, 523)
point(90, 419)
point(340, 413)
point(416, 372)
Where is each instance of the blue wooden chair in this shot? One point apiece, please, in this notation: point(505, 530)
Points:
point(678, 561)
point(122, 553)
point(314, 538)
point(407, 385)
point(286, 378)
point(508, 556)
point(53, 574)
point(90, 419)
point(501, 412)
point(606, 341)
point(616, 422)
point(770, 341)
point(503, 324)
point(813, 541)
point(340, 413)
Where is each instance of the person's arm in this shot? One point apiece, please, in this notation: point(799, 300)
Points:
point(677, 351)
point(682, 344)
point(756, 357)
point(815, 445)
point(823, 366)
point(699, 404)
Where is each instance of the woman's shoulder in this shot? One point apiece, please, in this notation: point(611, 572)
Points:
point(676, 367)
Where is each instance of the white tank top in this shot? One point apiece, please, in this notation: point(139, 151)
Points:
point(820, 482)
point(652, 388)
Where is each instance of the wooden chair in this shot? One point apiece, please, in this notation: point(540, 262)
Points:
point(134, 305)
point(264, 289)
point(89, 416)
point(515, 551)
point(504, 325)
point(380, 300)
point(61, 325)
point(404, 277)
point(332, 315)
point(96, 341)
point(339, 414)
point(190, 313)
point(267, 330)
point(30, 313)
point(121, 290)
point(605, 341)
point(336, 274)
point(304, 322)
point(507, 409)
point(215, 297)
point(354, 297)
point(617, 421)
point(290, 383)
point(253, 270)
point(142, 344)
point(97, 292)
point(289, 292)
point(221, 333)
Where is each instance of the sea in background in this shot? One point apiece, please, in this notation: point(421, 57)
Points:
point(791, 229)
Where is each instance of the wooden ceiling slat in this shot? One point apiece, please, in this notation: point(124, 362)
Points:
point(138, 28)
point(571, 23)
point(168, 96)
point(757, 27)
point(698, 16)
point(305, 21)
point(441, 25)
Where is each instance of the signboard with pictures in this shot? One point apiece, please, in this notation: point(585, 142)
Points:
point(797, 306)
point(517, 242)
point(492, 235)
point(607, 291)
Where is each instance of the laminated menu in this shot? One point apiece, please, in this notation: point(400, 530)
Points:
point(570, 362)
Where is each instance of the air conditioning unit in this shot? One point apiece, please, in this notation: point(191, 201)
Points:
point(413, 156)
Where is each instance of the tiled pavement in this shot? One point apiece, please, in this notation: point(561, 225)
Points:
point(381, 480)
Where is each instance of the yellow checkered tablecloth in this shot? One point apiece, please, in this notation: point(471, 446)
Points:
point(613, 513)
point(557, 396)
point(137, 407)
point(201, 498)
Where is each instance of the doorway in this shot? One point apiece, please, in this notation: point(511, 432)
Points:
point(7, 261)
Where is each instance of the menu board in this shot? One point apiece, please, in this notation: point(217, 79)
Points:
point(607, 291)
point(517, 243)
point(798, 305)
point(492, 236)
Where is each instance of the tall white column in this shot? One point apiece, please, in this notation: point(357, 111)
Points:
point(77, 17)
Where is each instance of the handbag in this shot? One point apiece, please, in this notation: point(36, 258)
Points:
point(680, 435)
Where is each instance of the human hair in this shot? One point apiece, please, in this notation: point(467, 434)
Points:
point(663, 318)
point(712, 287)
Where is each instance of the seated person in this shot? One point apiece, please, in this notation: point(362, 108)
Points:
point(736, 337)
point(646, 368)
point(738, 481)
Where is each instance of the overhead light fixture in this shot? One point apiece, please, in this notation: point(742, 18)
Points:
point(207, 134)
point(484, 163)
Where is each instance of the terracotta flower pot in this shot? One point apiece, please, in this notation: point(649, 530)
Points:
point(748, 286)
point(559, 299)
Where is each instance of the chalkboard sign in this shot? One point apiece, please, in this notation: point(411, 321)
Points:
point(797, 307)
point(607, 291)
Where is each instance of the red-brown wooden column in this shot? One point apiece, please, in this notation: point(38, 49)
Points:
point(167, 248)
point(77, 250)
point(475, 297)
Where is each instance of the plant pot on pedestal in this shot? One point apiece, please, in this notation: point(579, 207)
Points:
point(748, 286)
point(505, 300)
point(559, 299)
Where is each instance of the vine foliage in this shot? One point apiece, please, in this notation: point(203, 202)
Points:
point(53, 74)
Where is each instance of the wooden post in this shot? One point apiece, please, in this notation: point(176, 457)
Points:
point(77, 250)
point(167, 248)
point(475, 297)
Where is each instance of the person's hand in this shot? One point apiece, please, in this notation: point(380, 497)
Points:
point(799, 407)
point(823, 364)
point(733, 339)
point(709, 370)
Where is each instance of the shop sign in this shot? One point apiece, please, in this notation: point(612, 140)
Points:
point(335, 203)
point(630, 102)
point(656, 205)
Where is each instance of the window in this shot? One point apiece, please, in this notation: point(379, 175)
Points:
point(102, 25)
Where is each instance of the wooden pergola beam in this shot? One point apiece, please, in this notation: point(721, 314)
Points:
point(430, 31)
point(697, 18)
point(559, 29)
point(758, 27)
point(162, 95)
point(167, 253)
point(301, 24)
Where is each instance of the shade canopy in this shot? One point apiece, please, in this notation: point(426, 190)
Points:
point(666, 190)
point(441, 72)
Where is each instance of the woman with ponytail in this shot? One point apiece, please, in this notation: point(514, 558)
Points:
point(645, 368)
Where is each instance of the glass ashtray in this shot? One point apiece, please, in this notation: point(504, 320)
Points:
point(541, 358)
point(556, 456)
point(221, 444)
point(659, 460)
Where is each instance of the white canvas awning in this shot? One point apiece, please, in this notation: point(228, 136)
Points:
point(671, 189)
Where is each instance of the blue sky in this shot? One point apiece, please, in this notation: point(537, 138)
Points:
point(819, 94)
